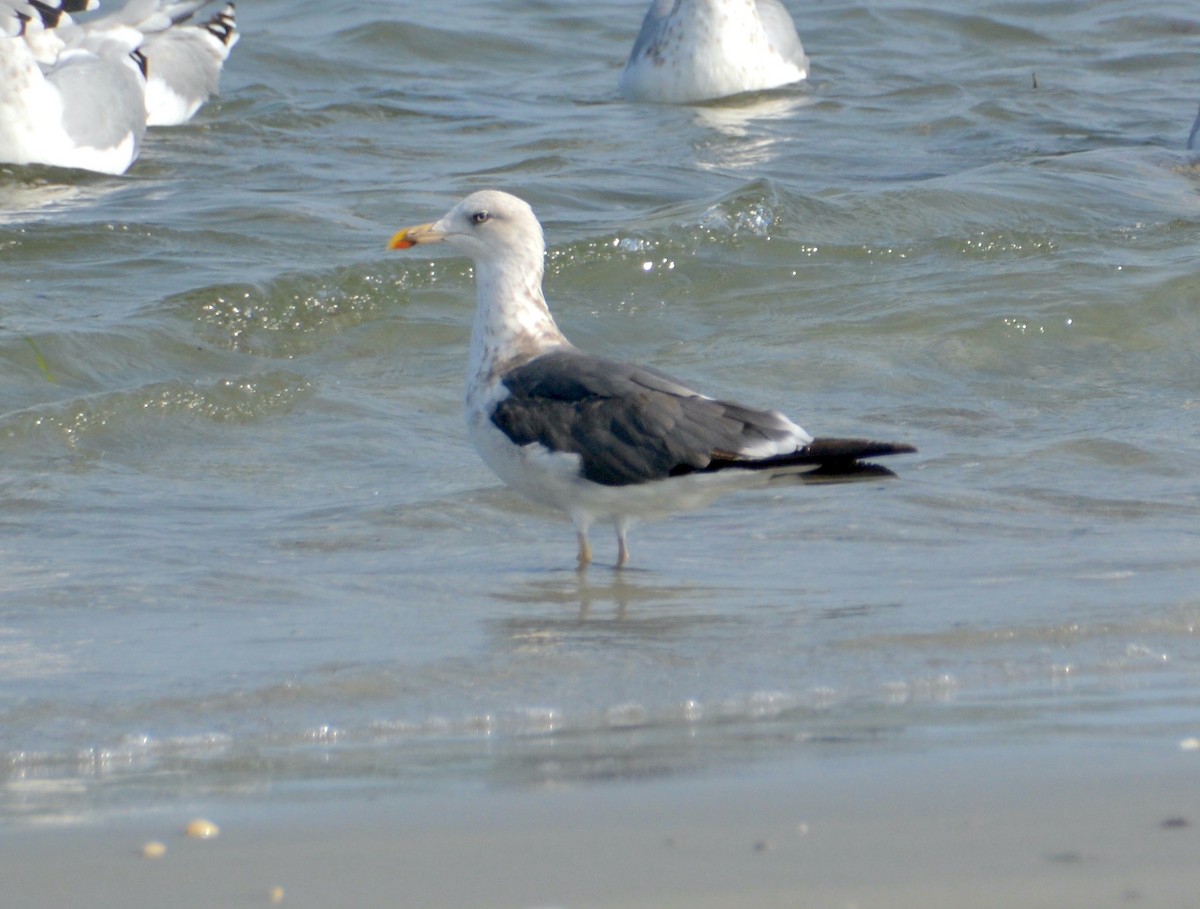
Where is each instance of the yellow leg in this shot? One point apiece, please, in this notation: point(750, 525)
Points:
point(622, 547)
point(585, 550)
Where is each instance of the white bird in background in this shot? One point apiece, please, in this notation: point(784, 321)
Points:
point(600, 439)
point(699, 50)
point(81, 94)
point(181, 60)
point(77, 107)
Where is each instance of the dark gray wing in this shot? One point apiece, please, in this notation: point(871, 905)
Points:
point(628, 424)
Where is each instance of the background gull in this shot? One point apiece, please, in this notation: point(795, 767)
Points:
point(183, 67)
point(181, 61)
point(600, 439)
point(79, 105)
point(697, 50)
point(81, 94)
point(18, 15)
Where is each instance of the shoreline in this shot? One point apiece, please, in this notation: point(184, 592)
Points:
point(1050, 825)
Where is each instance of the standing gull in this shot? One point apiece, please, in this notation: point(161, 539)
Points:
point(698, 50)
point(600, 439)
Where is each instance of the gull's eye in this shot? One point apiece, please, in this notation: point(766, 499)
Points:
point(480, 216)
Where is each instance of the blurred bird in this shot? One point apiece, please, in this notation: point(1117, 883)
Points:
point(698, 50)
point(81, 94)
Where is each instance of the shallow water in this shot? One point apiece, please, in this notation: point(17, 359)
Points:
point(246, 550)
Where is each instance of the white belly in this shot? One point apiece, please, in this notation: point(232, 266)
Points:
point(553, 479)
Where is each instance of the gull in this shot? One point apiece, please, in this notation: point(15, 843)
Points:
point(81, 94)
point(699, 50)
point(78, 106)
point(18, 15)
point(600, 439)
point(180, 60)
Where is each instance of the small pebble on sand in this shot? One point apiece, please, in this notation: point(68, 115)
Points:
point(276, 896)
point(154, 849)
point(200, 829)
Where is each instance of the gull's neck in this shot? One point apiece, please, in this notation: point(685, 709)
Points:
point(512, 322)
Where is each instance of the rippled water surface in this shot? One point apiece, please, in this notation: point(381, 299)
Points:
point(246, 548)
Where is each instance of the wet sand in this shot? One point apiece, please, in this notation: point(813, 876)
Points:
point(1037, 826)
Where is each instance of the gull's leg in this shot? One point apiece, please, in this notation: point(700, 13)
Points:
point(622, 546)
point(585, 549)
point(582, 522)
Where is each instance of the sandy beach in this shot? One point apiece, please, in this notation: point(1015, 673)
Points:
point(1045, 826)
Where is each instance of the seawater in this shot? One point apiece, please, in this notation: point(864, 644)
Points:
point(247, 552)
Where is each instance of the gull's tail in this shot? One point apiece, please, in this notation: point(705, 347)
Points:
point(842, 460)
point(828, 458)
point(830, 452)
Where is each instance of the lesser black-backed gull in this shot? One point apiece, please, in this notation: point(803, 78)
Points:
point(600, 439)
point(698, 50)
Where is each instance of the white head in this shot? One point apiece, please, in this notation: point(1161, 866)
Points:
point(504, 239)
point(496, 230)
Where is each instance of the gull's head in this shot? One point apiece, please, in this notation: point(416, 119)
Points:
point(491, 227)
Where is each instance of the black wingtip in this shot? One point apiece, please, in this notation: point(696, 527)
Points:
point(841, 458)
point(833, 451)
point(846, 472)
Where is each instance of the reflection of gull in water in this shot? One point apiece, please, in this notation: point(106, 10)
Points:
point(19, 199)
point(733, 118)
point(745, 138)
point(697, 50)
point(650, 609)
point(82, 94)
point(531, 632)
